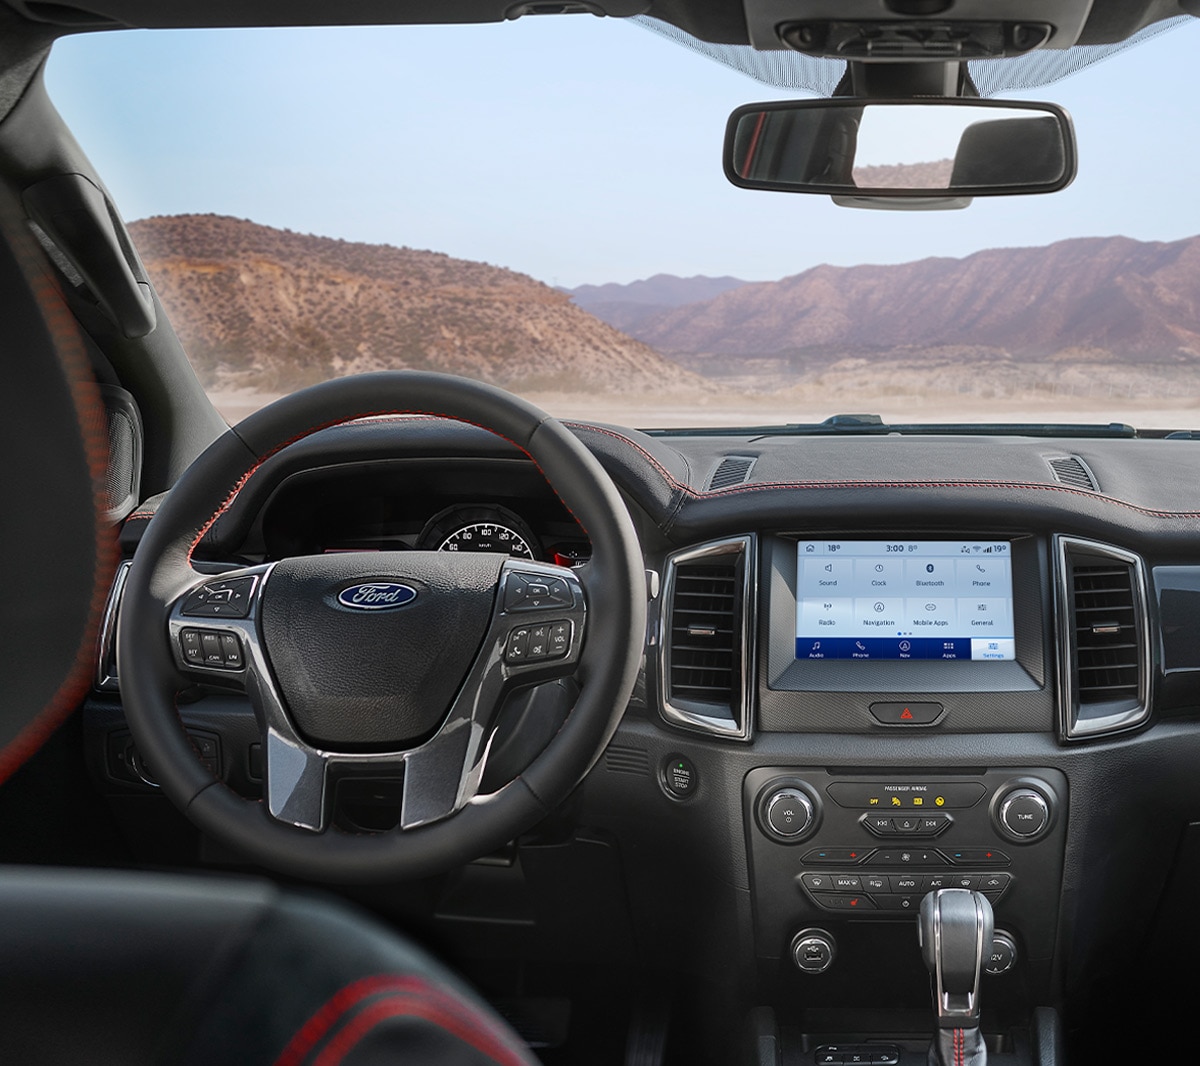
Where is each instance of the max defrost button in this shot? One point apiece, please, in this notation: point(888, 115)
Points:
point(906, 713)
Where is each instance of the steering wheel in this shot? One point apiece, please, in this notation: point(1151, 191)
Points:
point(390, 665)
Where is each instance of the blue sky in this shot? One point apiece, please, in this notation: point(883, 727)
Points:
point(574, 149)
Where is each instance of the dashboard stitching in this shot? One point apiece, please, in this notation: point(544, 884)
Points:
point(862, 484)
point(241, 482)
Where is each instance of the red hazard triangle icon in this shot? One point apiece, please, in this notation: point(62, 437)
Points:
point(906, 715)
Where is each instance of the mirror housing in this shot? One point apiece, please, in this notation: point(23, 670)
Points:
point(901, 153)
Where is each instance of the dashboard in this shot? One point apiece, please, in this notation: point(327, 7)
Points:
point(874, 666)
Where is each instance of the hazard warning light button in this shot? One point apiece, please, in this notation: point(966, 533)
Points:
point(907, 713)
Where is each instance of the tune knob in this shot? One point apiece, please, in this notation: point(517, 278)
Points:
point(789, 813)
point(1024, 814)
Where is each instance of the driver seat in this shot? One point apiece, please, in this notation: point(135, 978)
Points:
point(138, 968)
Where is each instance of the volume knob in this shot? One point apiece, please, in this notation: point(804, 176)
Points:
point(789, 813)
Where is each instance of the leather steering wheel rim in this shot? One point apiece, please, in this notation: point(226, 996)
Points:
point(608, 663)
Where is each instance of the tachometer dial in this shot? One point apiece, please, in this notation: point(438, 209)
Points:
point(479, 529)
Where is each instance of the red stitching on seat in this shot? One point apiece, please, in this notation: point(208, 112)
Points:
point(452, 1015)
point(399, 1005)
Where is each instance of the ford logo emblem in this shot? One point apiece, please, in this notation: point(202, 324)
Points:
point(376, 596)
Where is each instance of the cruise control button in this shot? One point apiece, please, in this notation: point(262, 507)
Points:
point(210, 644)
point(231, 649)
point(189, 643)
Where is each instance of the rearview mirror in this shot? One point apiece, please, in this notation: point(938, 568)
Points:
point(893, 150)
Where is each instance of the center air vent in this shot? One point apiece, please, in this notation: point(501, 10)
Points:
point(707, 637)
point(1104, 642)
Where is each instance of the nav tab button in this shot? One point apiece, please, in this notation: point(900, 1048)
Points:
point(906, 713)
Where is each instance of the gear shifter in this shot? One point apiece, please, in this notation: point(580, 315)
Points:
point(955, 931)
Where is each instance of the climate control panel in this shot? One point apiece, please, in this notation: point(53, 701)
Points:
point(865, 847)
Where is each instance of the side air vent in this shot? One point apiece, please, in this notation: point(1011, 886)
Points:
point(1104, 639)
point(1073, 471)
point(106, 647)
point(623, 760)
point(707, 637)
point(730, 471)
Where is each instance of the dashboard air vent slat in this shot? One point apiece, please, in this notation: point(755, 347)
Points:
point(707, 637)
point(1073, 471)
point(731, 470)
point(1104, 642)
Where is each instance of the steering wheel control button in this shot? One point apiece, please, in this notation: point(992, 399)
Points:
point(1024, 814)
point(189, 644)
point(536, 592)
point(679, 777)
point(207, 647)
point(531, 644)
point(906, 713)
point(517, 650)
point(221, 599)
point(813, 951)
point(1003, 955)
point(789, 813)
point(560, 639)
point(907, 796)
point(232, 651)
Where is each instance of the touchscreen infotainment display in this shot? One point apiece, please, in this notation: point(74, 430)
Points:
point(928, 599)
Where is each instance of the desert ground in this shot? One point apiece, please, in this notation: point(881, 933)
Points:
point(756, 409)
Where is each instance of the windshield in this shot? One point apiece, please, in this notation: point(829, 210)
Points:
point(541, 204)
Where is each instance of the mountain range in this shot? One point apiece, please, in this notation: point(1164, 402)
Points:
point(626, 306)
point(1090, 299)
point(272, 310)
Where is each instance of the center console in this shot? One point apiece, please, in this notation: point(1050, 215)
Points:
point(926, 636)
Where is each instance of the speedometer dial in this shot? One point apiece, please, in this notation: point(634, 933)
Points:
point(479, 529)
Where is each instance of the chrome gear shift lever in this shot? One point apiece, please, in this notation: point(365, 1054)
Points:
point(955, 931)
